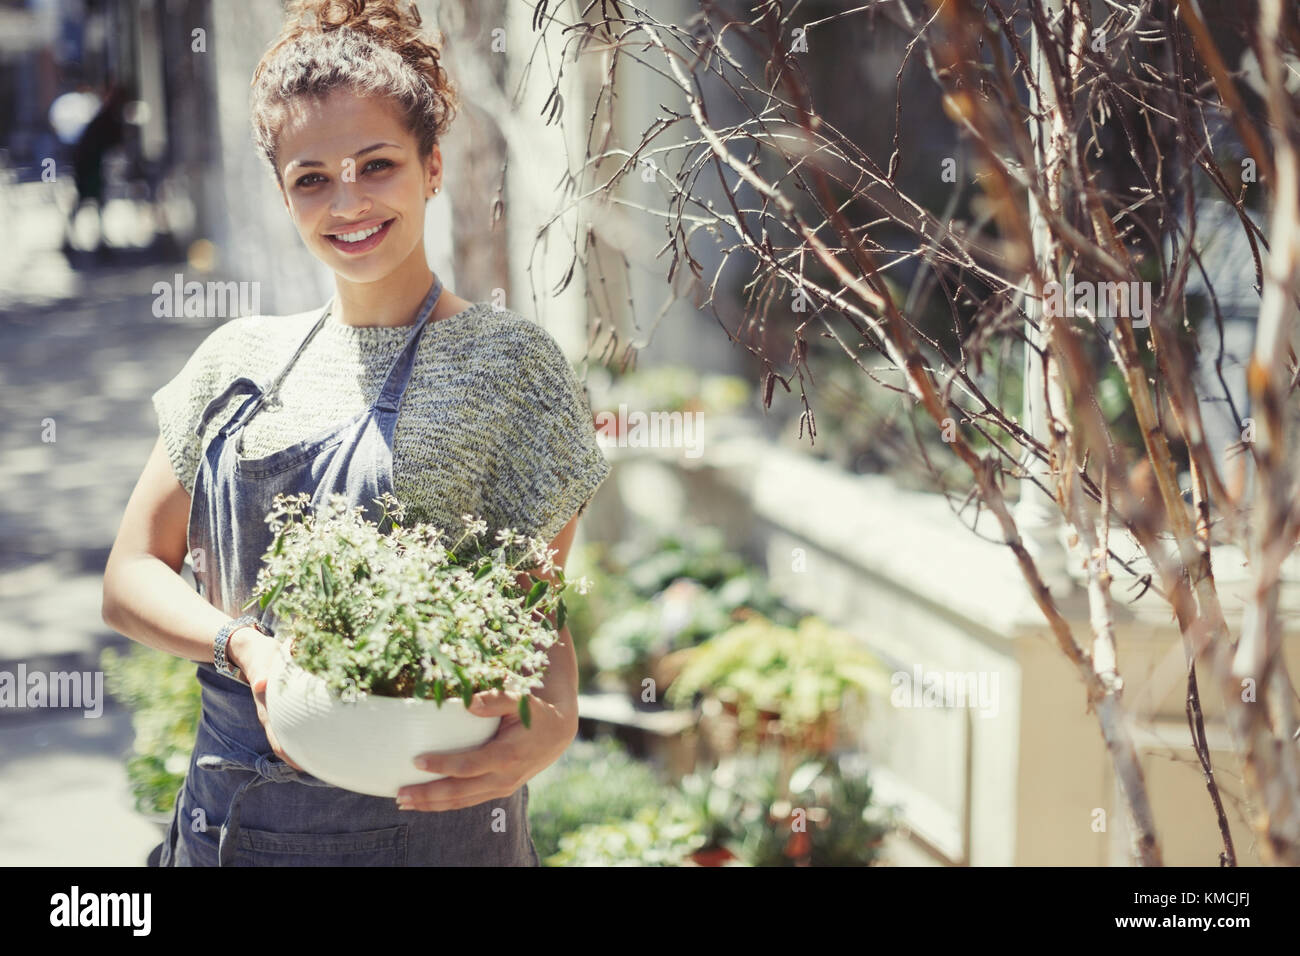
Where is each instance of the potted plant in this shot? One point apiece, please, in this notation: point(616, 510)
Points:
point(780, 683)
point(818, 815)
point(717, 809)
point(387, 634)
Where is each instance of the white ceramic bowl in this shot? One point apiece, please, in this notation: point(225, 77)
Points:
point(365, 745)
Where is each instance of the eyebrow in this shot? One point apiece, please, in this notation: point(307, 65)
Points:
point(357, 155)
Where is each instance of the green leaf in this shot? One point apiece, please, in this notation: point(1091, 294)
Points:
point(483, 572)
point(444, 662)
point(524, 715)
point(275, 593)
point(560, 613)
point(438, 691)
point(536, 592)
point(466, 692)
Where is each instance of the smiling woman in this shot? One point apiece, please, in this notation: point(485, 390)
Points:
point(397, 385)
point(356, 161)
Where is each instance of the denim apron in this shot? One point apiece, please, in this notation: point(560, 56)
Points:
point(225, 814)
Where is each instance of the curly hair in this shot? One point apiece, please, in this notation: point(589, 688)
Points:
point(368, 47)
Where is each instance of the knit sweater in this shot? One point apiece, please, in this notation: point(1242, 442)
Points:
point(493, 422)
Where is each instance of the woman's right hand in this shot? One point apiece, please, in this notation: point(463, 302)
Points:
point(255, 654)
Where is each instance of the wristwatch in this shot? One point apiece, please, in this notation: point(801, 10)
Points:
point(219, 658)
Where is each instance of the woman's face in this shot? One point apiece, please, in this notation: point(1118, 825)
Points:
point(354, 184)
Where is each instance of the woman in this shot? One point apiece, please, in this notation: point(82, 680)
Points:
point(397, 384)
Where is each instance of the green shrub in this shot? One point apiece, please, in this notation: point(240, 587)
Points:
point(163, 695)
point(655, 836)
point(593, 782)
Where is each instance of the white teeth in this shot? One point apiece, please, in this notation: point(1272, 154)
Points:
point(357, 236)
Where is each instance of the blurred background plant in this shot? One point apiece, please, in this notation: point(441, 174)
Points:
point(823, 815)
point(737, 814)
point(659, 594)
point(609, 593)
point(655, 836)
point(593, 782)
point(164, 698)
point(780, 681)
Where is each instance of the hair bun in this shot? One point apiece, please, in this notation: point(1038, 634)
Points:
point(366, 16)
point(393, 22)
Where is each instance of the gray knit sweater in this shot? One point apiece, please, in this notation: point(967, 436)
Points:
point(494, 421)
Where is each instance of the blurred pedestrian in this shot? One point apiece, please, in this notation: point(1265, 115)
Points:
point(106, 131)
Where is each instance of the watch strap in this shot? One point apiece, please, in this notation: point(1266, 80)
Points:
point(220, 658)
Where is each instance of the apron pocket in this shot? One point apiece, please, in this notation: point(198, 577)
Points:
point(385, 847)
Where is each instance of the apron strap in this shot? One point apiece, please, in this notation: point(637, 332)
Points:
point(390, 397)
point(257, 403)
point(265, 768)
point(241, 385)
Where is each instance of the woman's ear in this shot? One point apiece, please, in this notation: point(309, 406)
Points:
point(433, 173)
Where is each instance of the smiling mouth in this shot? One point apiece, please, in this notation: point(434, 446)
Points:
point(360, 240)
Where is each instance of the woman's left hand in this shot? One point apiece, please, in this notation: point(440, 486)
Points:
point(502, 765)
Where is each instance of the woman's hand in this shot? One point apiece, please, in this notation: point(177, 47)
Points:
point(502, 765)
point(255, 653)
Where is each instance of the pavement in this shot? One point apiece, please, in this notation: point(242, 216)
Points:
point(80, 354)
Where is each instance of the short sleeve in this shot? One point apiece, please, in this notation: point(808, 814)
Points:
point(181, 402)
point(546, 463)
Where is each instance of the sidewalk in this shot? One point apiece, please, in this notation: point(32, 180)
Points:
point(83, 356)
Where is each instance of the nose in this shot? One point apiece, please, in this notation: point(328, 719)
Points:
point(349, 201)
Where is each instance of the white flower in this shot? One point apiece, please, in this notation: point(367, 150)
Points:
point(338, 575)
point(474, 526)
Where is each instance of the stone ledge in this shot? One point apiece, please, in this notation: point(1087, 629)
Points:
point(912, 539)
point(615, 708)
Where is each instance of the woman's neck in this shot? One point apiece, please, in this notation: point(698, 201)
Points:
point(391, 301)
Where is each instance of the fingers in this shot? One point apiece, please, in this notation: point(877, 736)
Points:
point(494, 756)
point(275, 748)
point(494, 703)
point(451, 794)
point(259, 697)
